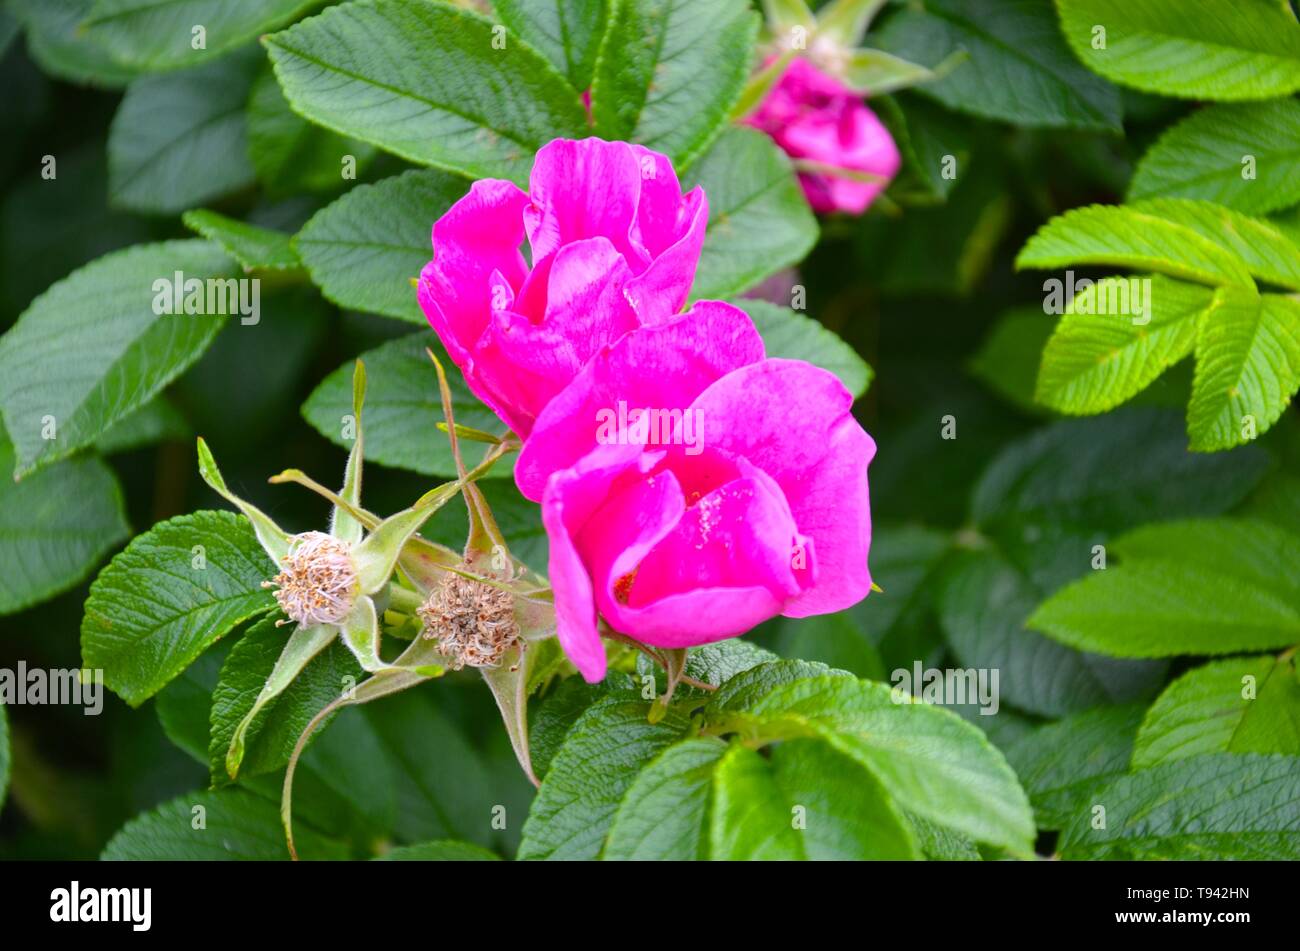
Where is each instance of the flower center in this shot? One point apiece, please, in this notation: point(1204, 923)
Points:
point(473, 622)
point(317, 582)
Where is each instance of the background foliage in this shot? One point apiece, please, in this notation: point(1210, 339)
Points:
point(1121, 686)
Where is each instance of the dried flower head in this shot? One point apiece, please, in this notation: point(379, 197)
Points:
point(318, 581)
point(473, 622)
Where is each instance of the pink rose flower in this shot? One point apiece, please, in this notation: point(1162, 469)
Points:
point(744, 498)
point(614, 245)
point(814, 116)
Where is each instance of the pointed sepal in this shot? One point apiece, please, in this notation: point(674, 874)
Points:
point(343, 524)
point(274, 540)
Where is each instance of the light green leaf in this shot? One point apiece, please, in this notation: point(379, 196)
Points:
point(162, 601)
point(1196, 587)
point(403, 408)
point(237, 825)
point(759, 220)
point(751, 819)
point(1020, 69)
point(1199, 49)
point(665, 813)
point(179, 141)
point(568, 32)
point(749, 686)
point(1246, 157)
point(1224, 806)
point(445, 851)
point(844, 812)
point(423, 81)
point(600, 758)
point(57, 42)
point(1123, 236)
point(288, 152)
point(159, 34)
point(120, 360)
point(1241, 705)
point(55, 526)
point(929, 760)
point(1247, 367)
point(1063, 764)
point(1097, 359)
point(670, 71)
point(255, 247)
point(270, 737)
point(793, 336)
point(1261, 245)
point(366, 248)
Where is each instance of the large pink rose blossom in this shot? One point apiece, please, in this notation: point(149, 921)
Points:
point(614, 244)
point(814, 116)
point(687, 541)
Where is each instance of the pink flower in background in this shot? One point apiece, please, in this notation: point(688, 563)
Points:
point(815, 117)
point(753, 503)
point(614, 245)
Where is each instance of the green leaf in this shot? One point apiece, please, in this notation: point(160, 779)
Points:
point(1247, 365)
point(984, 602)
point(1020, 69)
point(848, 814)
point(55, 527)
point(1246, 157)
point(670, 71)
point(178, 141)
point(1210, 586)
point(1241, 705)
point(160, 603)
point(215, 826)
point(934, 143)
point(1059, 483)
point(567, 32)
point(1097, 359)
point(1123, 236)
point(1268, 253)
point(929, 760)
point(444, 851)
point(1063, 764)
point(793, 336)
point(423, 81)
point(759, 220)
point(749, 686)
point(1192, 48)
point(600, 758)
point(255, 247)
point(1007, 361)
point(270, 738)
point(159, 35)
point(366, 248)
point(550, 722)
point(1223, 806)
point(122, 358)
point(751, 819)
point(665, 813)
point(154, 422)
point(403, 408)
point(288, 152)
point(838, 640)
point(57, 42)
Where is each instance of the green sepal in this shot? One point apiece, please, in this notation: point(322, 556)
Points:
point(274, 540)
